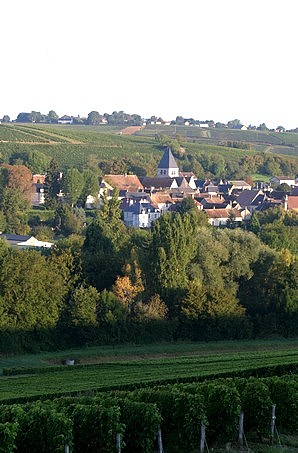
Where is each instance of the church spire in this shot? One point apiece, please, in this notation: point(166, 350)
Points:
point(168, 166)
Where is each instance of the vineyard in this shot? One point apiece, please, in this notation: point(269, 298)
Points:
point(55, 380)
point(169, 417)
point(137, 398)
point(215, 136)
point(83, 146)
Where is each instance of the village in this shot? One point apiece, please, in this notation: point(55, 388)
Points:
point(145, 199)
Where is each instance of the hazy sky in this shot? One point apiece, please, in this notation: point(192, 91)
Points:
point(206, 59)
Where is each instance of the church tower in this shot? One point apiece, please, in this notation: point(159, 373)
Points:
point(167, 166)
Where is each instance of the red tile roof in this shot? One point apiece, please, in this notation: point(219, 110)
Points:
point(129, 183)
point(293, 202)
point(221, 213)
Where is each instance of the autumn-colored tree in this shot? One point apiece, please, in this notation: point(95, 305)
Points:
point(126, 291)
point(20, 178)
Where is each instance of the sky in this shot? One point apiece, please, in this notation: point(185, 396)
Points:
point(205, 59)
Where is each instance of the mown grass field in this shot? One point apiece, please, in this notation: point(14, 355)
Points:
point(108, 367)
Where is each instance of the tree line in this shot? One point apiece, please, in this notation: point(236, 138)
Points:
point(116, 118)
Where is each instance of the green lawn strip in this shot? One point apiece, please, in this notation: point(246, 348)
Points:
point(132, 373)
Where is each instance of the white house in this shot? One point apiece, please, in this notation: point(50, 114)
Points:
point(221, 217)
point(241, 185)
point(277, 180)
point(140, 215)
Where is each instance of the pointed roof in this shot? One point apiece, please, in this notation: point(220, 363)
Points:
point(167, 160)
point(250, 197)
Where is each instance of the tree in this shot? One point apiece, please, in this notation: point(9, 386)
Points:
point(173, 249)
point(90, 185)
point(110, 311)
point(234, 124)
point(37, 162)
point(31, 291)
point(280, 129)
point(153, 309)
point(284, 187)
point(179, 120)
point(105, 244)
point(262, 127)
point(24, 117)
point(125, 291)
point(231, 222)
point(83, 306)
point(270, 297)
point(72, 185)
point(194, 303)
point(94, 118)
point(6, 119)
point(52, 185)
point(37, 117)
point(67, 221)
point(20, 178)
point(15, 208)
point(115, 167)
point(66, 258)
point(2, 222)
point(254, 224)
point(52, 117)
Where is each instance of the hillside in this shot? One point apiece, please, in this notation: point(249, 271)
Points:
point(212, 152)
point(273, 142)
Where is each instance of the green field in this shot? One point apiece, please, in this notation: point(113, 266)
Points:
point(107, 367)
point(82, 146)
point(223, 134)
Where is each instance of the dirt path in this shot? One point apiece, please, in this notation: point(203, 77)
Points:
point(130, 130)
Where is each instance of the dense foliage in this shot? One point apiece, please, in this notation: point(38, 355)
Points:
point(182, 279)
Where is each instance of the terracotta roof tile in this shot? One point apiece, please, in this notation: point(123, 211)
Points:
point(129, 183)
point(293, 202)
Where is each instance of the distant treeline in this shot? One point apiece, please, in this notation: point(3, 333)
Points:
point(122, 118)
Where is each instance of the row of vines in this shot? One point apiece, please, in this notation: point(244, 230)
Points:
point(48, 382)
point(93, 424)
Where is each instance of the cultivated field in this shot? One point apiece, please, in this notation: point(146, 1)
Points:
point(125, 367)
point(83, 146)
